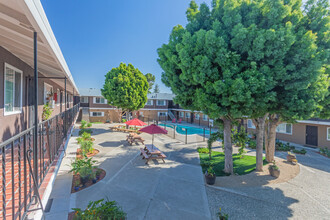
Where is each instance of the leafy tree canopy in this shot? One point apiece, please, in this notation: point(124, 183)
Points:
point(125, 87)
point(246, 58)
point(151, 80)
point(156, 90)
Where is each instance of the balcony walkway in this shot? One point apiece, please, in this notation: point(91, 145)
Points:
point(174, 190)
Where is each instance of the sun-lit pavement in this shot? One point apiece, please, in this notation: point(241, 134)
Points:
point(174, 190)
point(307, 196)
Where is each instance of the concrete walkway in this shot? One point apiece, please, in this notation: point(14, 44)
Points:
point(174, 190)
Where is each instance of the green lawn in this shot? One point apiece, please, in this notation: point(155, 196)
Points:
point(242, 166)
point(97, 122)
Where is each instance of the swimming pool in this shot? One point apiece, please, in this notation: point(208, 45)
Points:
point(181, 129)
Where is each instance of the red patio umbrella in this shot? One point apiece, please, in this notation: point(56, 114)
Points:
point(153, 129)
point(135, 122)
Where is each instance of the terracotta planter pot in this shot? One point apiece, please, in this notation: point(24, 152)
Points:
point(273, 172)
point(210, 179)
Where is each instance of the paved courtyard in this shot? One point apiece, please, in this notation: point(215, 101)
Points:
point(176, 189)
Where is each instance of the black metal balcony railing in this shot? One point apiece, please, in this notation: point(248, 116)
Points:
point(16, 180)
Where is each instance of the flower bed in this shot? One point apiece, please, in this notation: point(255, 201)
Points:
point(89, 154)
point(90, 182)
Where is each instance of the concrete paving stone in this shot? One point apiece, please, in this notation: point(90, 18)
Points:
point(56, 216)
point(162, 211)
point(186, 173)
point(183, 194)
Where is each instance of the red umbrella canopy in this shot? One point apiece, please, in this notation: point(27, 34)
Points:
point(135, 122)
point(153, 129)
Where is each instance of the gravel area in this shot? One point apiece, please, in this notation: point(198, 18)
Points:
point(306, 196)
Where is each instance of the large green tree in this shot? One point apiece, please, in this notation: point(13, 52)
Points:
point(245, 58)
point(206, 73)
point(126, 88)
point(151, 80)
point(303, 93)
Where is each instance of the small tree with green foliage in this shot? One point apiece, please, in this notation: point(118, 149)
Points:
point(156, 89)
point(151, 80)
point(126, 88)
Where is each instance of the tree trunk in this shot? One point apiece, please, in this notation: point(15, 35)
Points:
point(260, 130)
point(228, 146)
point(270, 136)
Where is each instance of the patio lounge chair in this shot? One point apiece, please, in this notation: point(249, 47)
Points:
point(179, 121)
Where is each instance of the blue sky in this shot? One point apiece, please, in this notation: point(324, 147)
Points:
point(95, 36)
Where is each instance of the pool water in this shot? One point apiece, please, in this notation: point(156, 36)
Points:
point(181, 129)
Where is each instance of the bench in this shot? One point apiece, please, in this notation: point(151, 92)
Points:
point(144, 155)
point(151, 157)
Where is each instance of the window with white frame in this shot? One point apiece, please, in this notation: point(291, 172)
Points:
point(13, 90)
point(250, 124)
point(181, 114)
point(161, 102)
point(97, 114)
point(84, 99)
point(150, 102)
point(205, 117)
point(162, 114)
point(197, 116)
point(99, 100)
point(187, 114)
point(328, 134)
point(284, 128)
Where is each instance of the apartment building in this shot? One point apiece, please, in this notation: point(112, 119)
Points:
point(159, 107)
point(312, 133)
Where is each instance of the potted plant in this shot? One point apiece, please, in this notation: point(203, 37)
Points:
point(210, 176)
point(290, 156)
point(76, 187)
point(274, 170)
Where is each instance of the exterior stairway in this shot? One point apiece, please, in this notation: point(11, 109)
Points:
point(170, 113)
point(85, 114)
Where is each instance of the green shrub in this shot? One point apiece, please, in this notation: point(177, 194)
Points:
point(302, 151)
point(89, 124)
point(84, 137)
point(325, 152)
point(83, 124)
point(84, 167)
point(123, 120)
point(100, 210)
point(86, 146)
point(203, 150)
point(85, 130)
point(252, 144)
point(283, 147)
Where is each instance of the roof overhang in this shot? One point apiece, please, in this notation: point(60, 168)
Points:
point(19, 19)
